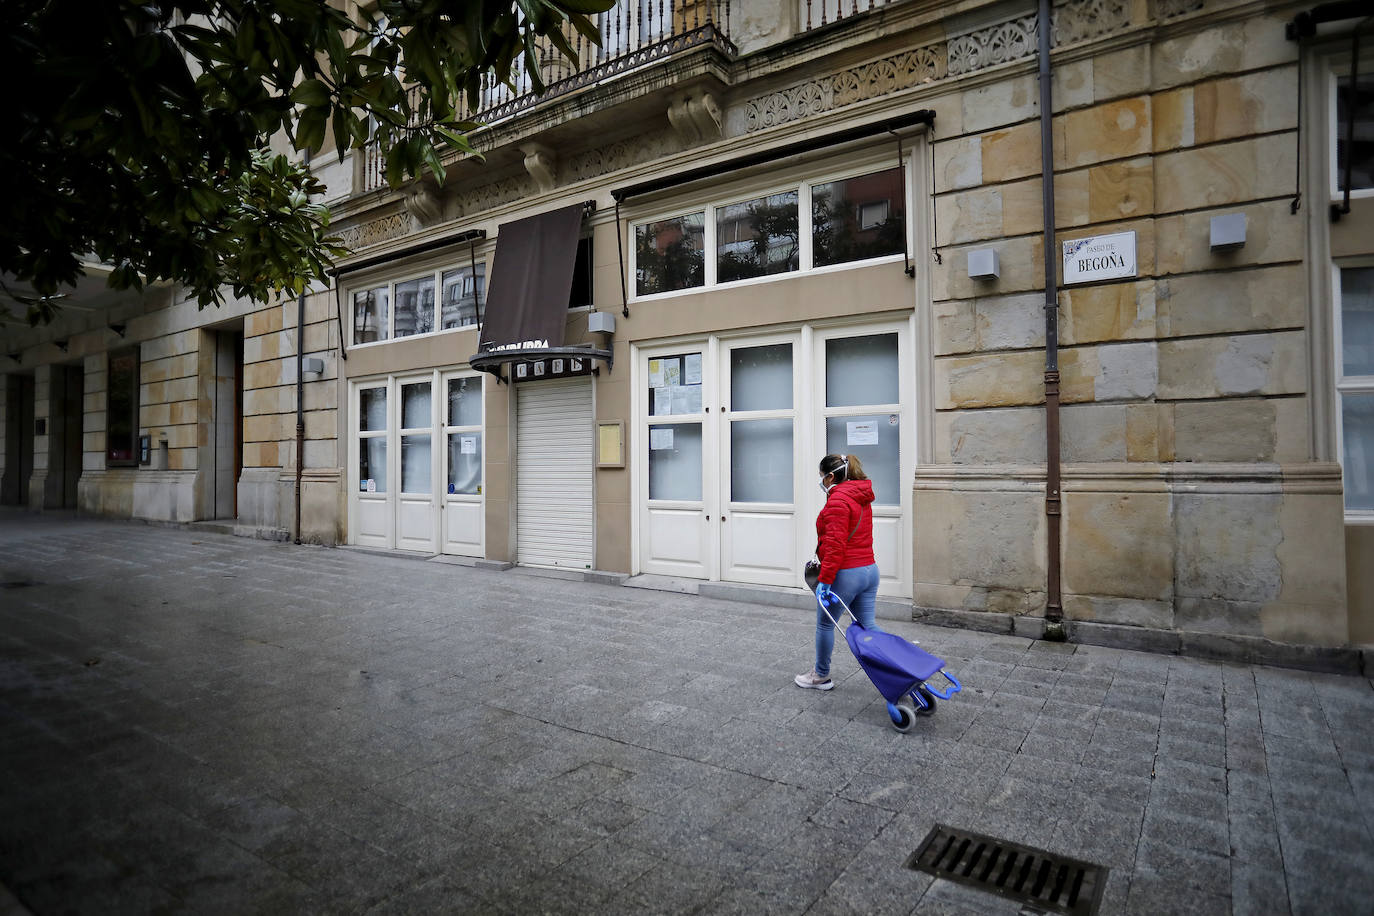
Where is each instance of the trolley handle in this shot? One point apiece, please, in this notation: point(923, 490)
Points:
point(825, 610)
point(944, 694)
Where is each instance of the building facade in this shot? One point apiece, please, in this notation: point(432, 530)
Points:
point(741, 236)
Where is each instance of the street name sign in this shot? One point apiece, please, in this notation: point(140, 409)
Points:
point(1099, 257)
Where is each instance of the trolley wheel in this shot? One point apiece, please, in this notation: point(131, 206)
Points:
point(930, 700)
point(903, 716)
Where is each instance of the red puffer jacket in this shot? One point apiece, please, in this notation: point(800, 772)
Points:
point(848, 508)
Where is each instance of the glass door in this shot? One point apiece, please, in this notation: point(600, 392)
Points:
point(676, 520)
point(464, 519)
point(371, 526)
point(863, 417)
point(758, 463)
point(415, 515)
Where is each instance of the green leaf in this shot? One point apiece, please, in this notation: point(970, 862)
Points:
point(311, 93)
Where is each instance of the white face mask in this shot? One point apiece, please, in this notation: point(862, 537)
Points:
point(824, 488)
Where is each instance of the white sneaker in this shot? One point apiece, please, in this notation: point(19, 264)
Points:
point(814, 681)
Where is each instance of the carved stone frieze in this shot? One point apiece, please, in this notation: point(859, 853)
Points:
point(374, 231)
point(1168, 9)
point(959, 55)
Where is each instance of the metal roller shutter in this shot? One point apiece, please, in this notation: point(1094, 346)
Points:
point(554, 510)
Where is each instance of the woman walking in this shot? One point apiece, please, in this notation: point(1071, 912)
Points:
point(844, 544)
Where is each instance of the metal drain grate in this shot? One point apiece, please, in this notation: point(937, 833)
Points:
point(1053, 883)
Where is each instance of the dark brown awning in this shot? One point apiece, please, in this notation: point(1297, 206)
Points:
point(527, 298)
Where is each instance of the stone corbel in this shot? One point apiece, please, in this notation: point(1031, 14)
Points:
point(695, 118)
point(423, 203)
point(542, 164)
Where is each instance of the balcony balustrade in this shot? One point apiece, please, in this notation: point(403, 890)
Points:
point(634, 34)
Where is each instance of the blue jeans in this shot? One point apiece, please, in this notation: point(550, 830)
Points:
point(857, 587)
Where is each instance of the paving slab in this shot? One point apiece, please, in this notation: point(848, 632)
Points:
point(192, 721)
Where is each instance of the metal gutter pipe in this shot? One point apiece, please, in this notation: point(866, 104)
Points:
point(1054, 609)
point(300, 404)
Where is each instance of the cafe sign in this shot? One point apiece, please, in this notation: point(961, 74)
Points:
point(1099, 257)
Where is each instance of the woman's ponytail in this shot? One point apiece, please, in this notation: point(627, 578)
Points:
point(856, 468)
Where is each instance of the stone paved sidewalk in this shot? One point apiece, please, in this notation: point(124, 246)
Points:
point(199, 723)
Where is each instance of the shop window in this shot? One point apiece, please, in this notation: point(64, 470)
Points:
point(371, 315)
point(670, 254)
point(415, 307)
point(121, 409)
point(463, 289)
point(857, 218)
point(1355, 386)
point(756, 238)
point(1361, 153)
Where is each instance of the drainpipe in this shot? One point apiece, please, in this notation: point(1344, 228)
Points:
point(300, 404)
point(1054, 610)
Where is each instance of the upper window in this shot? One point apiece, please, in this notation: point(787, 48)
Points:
point(417, 309)
point(121, 409)
point(812, 225)
point(1360, 154)
point(1355, 386)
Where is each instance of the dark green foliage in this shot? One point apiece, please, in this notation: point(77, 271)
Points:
point(138, 129)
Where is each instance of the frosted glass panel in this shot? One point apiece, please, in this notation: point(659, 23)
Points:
point(416, 462)
point(372, 465)
point(861, 370)
point(415, 406)
point(675, 461)
point(761, 377)
point(415, 307)
point(465, 463)
point(1357, 321)
point(465, 402)
point(761, 461)
point(372, 409)
point(844, 435)
point(1357, 429)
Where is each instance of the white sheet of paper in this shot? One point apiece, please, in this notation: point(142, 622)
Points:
point(862, 432)
point(672, 372)
point(680, 402)
point(660, 439)
point(691, 370)
point(467, 445)
point(663, 401)
point(655, 373)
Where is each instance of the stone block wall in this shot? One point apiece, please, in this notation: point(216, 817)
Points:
point(1191, 499)
point(267, 487)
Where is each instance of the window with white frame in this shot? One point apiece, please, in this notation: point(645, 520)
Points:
point(810, 225)
point(409, 306)
point(1355, 385)
point(1359, 154)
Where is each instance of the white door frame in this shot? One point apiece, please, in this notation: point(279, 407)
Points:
point(808, 436)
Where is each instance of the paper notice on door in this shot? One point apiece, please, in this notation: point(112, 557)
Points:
point(691, 369)
point(467, 445)
point(686, 399)
point(672, 372)
point(371, 485)
point(660, 439)
point(663, 401)
point(655, 373)
point(862, 432)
